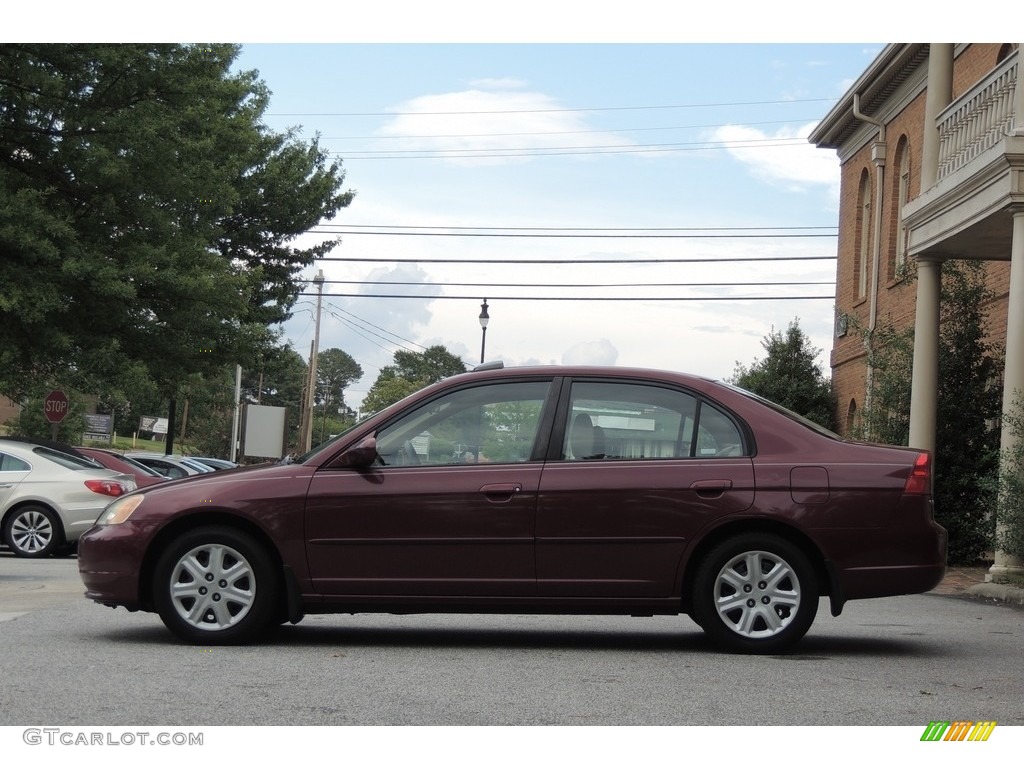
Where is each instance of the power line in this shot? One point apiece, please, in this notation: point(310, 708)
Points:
point(483, 154)
point(554, 109)
point(561, 133)
point(743, 143)
point(372, 325)
point(500, 262)
point(591, 229)
point(343, 230)
point(582, 285)
point(363, 334)
point(573, 298)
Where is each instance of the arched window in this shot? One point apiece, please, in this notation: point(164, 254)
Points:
point(1005, 50)
point(852, 419)
point(901, 197)
point(863, 245)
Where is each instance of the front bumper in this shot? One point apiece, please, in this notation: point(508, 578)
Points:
point(110, 559)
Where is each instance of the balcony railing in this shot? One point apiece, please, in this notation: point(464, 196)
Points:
point(979, 119)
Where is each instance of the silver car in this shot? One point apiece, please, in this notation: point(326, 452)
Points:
point(49, 498)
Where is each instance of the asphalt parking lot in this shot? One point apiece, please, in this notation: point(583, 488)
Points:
point(949, 654)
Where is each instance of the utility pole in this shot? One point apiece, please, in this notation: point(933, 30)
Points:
point(306, 424)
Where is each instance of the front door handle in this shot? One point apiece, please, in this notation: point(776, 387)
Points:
point(500, 493)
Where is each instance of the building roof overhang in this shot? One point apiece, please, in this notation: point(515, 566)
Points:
point(890, 69)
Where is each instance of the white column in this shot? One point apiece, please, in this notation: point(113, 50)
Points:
point(939, 95)
point(924, 384)
point(1013, 372)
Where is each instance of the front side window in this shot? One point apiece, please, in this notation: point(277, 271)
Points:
point(493, 423)
point(613, 420)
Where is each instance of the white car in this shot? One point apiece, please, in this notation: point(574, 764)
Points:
point(49, 498)
point(173, 466)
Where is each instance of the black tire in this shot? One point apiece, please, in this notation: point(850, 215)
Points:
point(33, 531)
point(755, 593)
point(216, 586)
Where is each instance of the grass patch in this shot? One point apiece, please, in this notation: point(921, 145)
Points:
point(152, 446)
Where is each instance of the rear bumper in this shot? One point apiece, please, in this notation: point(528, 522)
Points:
point(884, 562)
point(861, 583)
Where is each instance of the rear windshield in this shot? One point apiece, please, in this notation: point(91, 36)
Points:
point(64, 459)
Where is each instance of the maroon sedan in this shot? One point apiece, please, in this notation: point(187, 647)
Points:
point(144, 476)
point(563, 490)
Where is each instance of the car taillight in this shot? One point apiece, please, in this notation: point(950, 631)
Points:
point(106, 487)
point(919, 481)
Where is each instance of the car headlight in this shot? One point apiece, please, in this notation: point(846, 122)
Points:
point(119, 511)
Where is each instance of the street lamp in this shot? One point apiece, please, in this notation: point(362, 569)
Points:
point(484, 319)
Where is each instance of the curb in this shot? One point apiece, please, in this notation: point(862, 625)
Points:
point(1004, 592)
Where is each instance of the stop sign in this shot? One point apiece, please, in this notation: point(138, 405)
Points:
point(56, 406)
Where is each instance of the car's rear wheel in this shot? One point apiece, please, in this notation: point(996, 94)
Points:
point(33, 531)
point(755, 593)
point(216, 586)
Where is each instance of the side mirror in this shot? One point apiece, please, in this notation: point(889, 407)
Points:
point(360, 456)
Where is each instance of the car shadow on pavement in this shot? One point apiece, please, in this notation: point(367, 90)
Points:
point(687, 639)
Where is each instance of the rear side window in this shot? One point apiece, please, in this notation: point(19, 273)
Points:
point(621, 420)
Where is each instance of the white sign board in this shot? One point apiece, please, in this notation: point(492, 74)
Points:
point(264, 433)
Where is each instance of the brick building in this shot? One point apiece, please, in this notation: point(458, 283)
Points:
point(8, 410)
point(931, 146)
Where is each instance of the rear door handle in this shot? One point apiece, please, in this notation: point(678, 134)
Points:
point(710, 489)
point(499, 493)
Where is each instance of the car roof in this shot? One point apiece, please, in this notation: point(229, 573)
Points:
point(28, 450)
point(51, 444)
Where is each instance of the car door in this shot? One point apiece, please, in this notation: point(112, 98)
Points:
point(451, 508)
point(640, 469)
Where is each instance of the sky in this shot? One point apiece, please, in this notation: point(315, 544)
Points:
point(650, 159)
point(670, 183)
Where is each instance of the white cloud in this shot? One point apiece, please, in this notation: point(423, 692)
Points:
point(600, 352)
point(793, 164)
point(493, 123)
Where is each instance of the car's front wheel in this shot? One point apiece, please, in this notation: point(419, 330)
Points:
point(33, 531)
point(216, 586)
point(755, 593)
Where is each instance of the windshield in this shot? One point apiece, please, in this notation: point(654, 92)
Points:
point(292, 459)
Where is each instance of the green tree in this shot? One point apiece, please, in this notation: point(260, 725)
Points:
point(790, 376)
point(968, 410)
point(411, 372)
point(147, 214)
point(336, 370)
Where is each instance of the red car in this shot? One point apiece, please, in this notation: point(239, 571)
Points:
point(144, 476)
point(563, 490)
